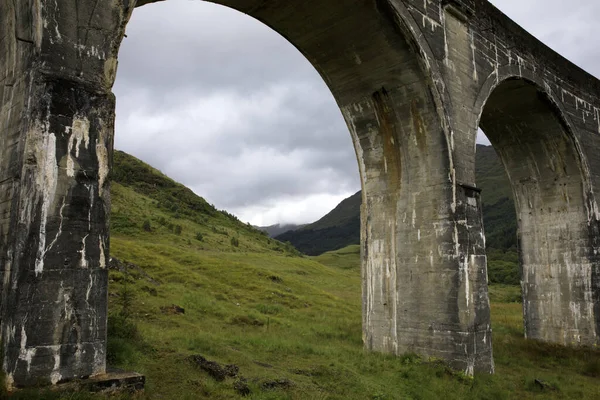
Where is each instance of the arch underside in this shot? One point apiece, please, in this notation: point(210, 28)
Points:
point(544, 167)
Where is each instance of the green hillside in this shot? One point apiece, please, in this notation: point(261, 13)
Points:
point(146, 202)
point(191, 281)
point(347, 257)
point(341, 227)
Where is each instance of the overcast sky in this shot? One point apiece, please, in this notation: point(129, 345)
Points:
point(223, 104)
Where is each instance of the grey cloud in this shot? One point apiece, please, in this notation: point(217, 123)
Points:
point(242, 181)
point(223, 104)
point(202, 47)
point(570, 28)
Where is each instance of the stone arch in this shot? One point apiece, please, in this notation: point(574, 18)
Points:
point(550, 180)
point(511, 72)
point(400, 128)
point(375, 61)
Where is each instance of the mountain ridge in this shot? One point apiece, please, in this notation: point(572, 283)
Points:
point(278, 229)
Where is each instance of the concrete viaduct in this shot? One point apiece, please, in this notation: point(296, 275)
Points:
point(414, 80)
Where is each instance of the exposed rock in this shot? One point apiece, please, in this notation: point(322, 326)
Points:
point(241, 386)
point(232, 370)
point(173, 309)
point(283, 383)
point(214, 369)
point(544, 385)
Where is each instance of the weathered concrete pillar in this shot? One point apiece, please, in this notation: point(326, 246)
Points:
point(57, 116)
point(424, 266)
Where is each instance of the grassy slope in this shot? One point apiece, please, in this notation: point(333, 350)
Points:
point(277, 315)
point(289, 317)
point(347, 257)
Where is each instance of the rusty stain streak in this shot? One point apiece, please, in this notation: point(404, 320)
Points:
point(391, 153)
point(420, 131)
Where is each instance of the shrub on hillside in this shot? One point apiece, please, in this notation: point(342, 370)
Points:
point(121, 334)
point(146, 226)
point(503, 267)
point(220, 231)
point(504, 272)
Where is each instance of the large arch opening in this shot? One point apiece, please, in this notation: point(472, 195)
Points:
point(223, 104)
point(396, 129)
point(377, 78)
point(547, 176)
point(260, 300)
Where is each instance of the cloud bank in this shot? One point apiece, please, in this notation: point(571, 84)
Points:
point(225, 105)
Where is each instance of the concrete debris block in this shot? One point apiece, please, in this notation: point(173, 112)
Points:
point(114, 382)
